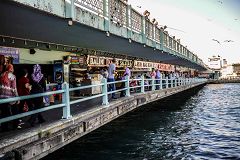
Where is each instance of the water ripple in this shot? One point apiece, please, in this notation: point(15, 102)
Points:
point(207, 126)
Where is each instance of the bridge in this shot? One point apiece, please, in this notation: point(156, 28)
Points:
point(102, 25)
point(74, 118)
point(92, 27)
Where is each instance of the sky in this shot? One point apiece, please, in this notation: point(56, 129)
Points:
point(197, 23)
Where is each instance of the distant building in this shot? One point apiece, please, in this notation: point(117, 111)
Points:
point(215, 62)
point(224, 63)
point(236, 69)
point(231, 71)
point(227, 71)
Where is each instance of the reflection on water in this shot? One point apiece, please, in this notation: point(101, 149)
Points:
point(206, 126)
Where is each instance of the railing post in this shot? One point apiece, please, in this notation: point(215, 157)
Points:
point(66, 101)
point(105, 92)
point(127, 86)
point(142, 84)
point(166, 82)
point(176, 82)
point(172, 82)
point(153, 84)
point(161, 84)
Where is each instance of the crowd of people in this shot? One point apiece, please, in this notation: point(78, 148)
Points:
point(156, 74)
point(10, 87)
point(34, 83)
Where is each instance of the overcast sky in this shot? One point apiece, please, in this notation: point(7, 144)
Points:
point(200, 21)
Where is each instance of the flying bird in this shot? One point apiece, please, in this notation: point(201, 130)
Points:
point(228, 41)
point(139, 6)
point(220, 2)
point(216, 41)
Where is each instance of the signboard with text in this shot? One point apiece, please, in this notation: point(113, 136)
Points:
point(10, 52)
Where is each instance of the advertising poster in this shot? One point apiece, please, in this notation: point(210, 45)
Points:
point(10, 52)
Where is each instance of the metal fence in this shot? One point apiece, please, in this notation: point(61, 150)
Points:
point(142, 85)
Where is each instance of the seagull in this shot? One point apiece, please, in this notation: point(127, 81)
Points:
point(216, 41)
point(235, 19)
point(228, 41)
point(139, 6)
point(220, 2)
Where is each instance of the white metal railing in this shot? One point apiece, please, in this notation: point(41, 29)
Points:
point(142, 83)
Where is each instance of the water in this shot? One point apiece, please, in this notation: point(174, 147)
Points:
point(203, 126)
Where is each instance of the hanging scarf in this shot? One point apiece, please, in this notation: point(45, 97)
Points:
point(37, 74)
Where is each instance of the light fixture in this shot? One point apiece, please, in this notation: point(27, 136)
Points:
point(144, 45)
point(108, 34)
point(25, 42)
point(3, 40)
point(37, 44)
point(129, 40)
point(32, 51)
point(70, 22)
point(13, 41)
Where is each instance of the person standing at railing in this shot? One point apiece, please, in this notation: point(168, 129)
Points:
point(152, 75)
point(24, 88)
point(8, 89)
point(111, 74)
point(124, 77)
point(158, 77)
point(38, 86)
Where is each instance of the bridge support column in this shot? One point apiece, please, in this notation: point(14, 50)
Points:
point(144, 39)
point(106, 15)
point(129, 22)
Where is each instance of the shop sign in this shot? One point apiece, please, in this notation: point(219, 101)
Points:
point(96, 61)
point(143, 64)
point(10, 52)
point(166, 67)
point(124, 62)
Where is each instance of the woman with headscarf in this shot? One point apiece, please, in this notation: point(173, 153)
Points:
point(8, 89)
point(38, 86)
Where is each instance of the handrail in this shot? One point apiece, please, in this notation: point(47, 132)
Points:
point(8, 100)
point(65, 104)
